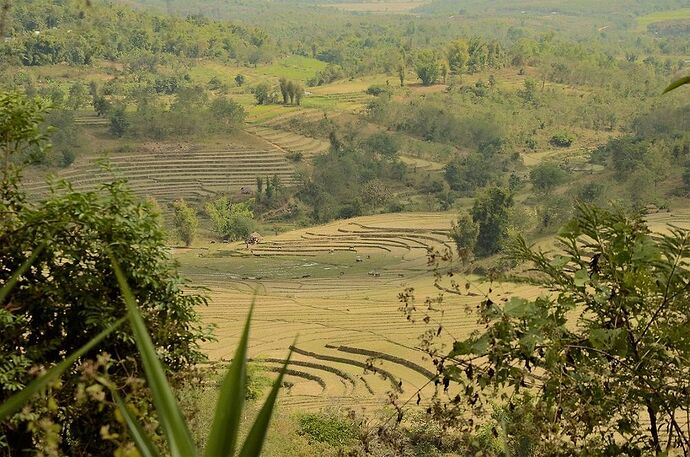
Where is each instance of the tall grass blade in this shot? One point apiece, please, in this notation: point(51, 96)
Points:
point(257, 435)
point(676, 84)
point(176, 432)
point(7, 287)
point(226, 423)
point(141, 439)
point(15, 402)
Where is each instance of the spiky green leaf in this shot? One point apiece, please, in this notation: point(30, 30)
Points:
point(676, 84)
point(257, 435)
point(226, 423)
point(176, 431)
point(141, 439)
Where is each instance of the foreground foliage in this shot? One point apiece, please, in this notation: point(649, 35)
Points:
point(599, 362)
point(69, 295)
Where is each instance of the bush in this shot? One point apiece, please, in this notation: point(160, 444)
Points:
point(71, 295)
point(329, 429)
point(294, 156)
point(562, 140)
point(377, 90)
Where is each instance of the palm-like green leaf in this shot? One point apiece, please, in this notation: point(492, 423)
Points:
point(676, 84)
point(226, 423)
point(176, 432)
point(257, 435)
point(141, 439)
point(14, 403)
point(7, 287)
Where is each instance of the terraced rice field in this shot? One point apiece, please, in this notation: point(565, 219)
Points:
point(335, 288)
point(290, 142)
point(172, 174)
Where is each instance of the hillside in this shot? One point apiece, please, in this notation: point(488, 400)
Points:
point(364, 172)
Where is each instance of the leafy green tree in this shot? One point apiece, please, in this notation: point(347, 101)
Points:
point(468, 173)
point(626, 155)
point(69, 295)
point(299, 93)
point(599, 363)
point(490, 213)
point(101, 105)
point(20, 131)
point(231, 221)
point(227, 113)
point(529, 91)
point(291, 91)
point(185, 221)
point(77, 96)
point(546, 176)
point(383, 143)
point(465, 232)
point(428, 67)
point(284, 91)
point(263, 94)
point(458, 56)
point(119, 123)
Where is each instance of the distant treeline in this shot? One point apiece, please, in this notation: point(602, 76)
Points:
point(42, 32)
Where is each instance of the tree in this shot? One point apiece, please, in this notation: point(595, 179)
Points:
point(240, 80)
point(185, 221)
point(599, 363)
point(263, 94)
point(228, 114)
point(546, 176)
point(70, 294)
point(20, 130)
point(529, 92)
point(490, 213)
point(101, 105)
point(283, 84)
point(299, 94)
point(465, 232)
point(291, 91)
point(119, 124)
point(457, 55)
point(231, 221)
point(427, 67)
point(78, 96)
point(626, 155)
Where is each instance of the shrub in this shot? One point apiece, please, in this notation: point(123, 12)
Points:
point(294, 156)
point(328, 428)
point(378, 90)
point(562, 140)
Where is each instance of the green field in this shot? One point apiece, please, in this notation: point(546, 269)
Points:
point(644, 22)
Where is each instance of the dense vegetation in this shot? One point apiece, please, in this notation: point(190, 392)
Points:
point(520, 120)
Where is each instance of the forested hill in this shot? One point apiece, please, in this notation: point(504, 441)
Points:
point(43, 32)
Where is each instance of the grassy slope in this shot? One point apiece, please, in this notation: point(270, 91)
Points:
point(645, 21)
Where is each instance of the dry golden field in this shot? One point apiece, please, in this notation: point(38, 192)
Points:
point(335, 288)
